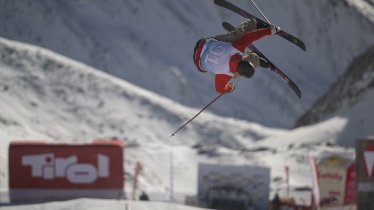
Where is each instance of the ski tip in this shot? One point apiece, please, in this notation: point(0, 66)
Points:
point(298, 93)
point(228, 26)
point(303, 47)
point(300, 44)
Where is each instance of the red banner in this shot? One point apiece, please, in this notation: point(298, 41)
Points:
point(62, 166)
point(350, 186)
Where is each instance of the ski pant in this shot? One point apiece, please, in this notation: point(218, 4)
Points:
point(246, 26)
point(232, 36)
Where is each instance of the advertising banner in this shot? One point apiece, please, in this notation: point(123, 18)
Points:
point(238, 187)
point(335, 179)
point(350, 196)
point(41, 171)
point(365, 173)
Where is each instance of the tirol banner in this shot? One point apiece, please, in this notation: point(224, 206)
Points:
point(42, 172)
point(335, 179)
point(365, 173)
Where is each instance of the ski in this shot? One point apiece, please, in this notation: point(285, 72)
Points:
point(273, 68)
point(281, 33)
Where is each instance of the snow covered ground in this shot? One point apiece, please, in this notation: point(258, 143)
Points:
point(95, 204)
point(50, 97)
point(47, 96)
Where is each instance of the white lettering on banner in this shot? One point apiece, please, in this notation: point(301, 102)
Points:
point(49, 167)
point(369, 162)
point(82, 173)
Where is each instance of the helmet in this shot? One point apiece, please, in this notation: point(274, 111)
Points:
point(245, 69)
point(196, 53)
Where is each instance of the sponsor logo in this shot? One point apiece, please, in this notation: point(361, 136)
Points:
point(332, 167)
point(368, 158)
point(49, 167)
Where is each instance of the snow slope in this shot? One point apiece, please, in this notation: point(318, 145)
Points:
point(95, 204)
point(149, 43)
point(50, 97)
point(351, 97)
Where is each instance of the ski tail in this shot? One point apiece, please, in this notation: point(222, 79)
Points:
point(281, 33)
point(273, 68)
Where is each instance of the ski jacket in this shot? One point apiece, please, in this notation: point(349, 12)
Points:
point(222, 58)
point(215, 56)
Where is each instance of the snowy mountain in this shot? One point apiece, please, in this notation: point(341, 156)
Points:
point(50, 97)
point(123, 69)
point(351, 97)
point(46, 96)
point(149, 43)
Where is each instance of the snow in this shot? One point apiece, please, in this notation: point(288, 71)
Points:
point(95, 204)
point(143, 41)
point(364, 6)
point(50, 97)
point(120, 76)
point(361, 120)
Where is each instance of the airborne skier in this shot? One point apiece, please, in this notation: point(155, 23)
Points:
point(225, 56)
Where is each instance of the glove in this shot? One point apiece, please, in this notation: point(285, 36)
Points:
point(229, 87)
point(274, 29)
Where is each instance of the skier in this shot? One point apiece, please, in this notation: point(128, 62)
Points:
point(224, 54)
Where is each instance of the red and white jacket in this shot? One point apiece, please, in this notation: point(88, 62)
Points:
point(222, 58)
